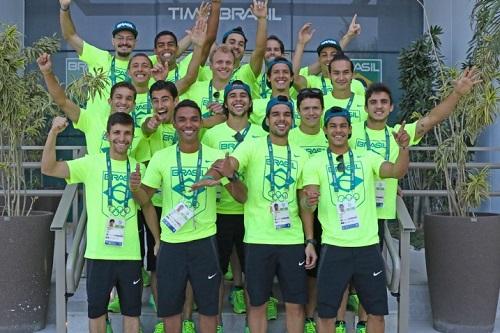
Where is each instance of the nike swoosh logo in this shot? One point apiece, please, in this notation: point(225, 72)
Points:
point(136, 282)
point(377, 273)
point(301, 263)
point(210, 277)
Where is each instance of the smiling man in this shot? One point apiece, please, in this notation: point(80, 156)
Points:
point(112, 251)
point(345, 180)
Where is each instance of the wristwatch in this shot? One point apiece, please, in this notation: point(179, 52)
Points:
point(311, 241)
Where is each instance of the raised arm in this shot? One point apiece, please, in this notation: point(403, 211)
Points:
point(185, 42)
point(399, 168)
point(198, 37)
point(304, 36)
point(259, 10)
point(50, 166)
point(57, 93)
point(213, 26)
point(353, 32)
point(68, 27)
point(463, 86)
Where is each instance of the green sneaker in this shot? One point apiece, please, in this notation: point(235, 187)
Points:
point(159, 327)
point(361, 327)
point(114, 305)
point(309, 326)
point(109, 328)
point(152, 302)
point(146, 278)
point(247, 329)
point(272, 309)
point(229, 275)
point(220, 329)
point(340, 327)
point(188, 326)
point(238, 300)
point(353, 303)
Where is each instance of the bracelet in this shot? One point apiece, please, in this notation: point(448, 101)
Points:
point(64, 10)
point(311, 241)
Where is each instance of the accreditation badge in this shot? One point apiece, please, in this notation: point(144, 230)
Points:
point(281, 214)
point(347, 214)
point(178, 216)
point(115, 231)
point(379, 193)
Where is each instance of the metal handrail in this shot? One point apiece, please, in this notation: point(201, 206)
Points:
point(393, 279)
point(75, 262)
point(406, 227)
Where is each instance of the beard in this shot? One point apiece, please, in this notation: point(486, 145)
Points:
point(123, 54)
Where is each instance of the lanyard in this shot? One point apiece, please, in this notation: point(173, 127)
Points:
point(210, 93)
point(176, 74)
point(271, 161)
point(112, 74)
point(323, 85)
point(110, 182)
point(263, 87)
point(349, 104)
point(194, 202)
point(387, 142)
point(336, 186)
point(239, 137)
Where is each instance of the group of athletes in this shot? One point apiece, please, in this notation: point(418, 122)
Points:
point(283, 171)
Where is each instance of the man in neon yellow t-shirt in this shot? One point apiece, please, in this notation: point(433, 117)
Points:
point(188, 250)
point(347, 212)
point(230, 226)
point(112, 250)
point(274, 232)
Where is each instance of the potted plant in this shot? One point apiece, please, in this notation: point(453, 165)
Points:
point(27, 242)
point(462, 246)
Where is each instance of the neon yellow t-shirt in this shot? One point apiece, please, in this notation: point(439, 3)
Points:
point(318, 172)
point(325, 84)
point(378, 145)
point(94, 129)
point(254, 163)
point(143, 108)
point(91, 170)
point(259, 112)
point(313, 144)
point(202, 92)
point(243, 73)
point(357, 109)
point(222, 137)
point(162, 173)
point(96, 58)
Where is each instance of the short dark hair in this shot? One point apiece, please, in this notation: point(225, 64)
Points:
point(186, 103)
point(121, 118)
point(140, 54)
point(165, 33)
point(164, 85)
point(280, 42)
point(124, 84)
point(377, 88)
point(338, 57)
point(310, 93)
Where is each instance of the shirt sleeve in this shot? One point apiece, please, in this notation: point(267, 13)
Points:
point(78, 169)
point(83, 123)
point(152, 176)
point(411, 128)
point(375, 161)
point(243, 153)
point(94, 57)
point(310, 174)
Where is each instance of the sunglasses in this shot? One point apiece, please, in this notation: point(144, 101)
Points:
point(341, 164)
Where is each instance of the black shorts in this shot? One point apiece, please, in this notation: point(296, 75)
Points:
point(195, 261)
point(150, 241)
point(230, 232)
point(103, 275)
point(363, 267)
point(264, 261)
point(317, 232)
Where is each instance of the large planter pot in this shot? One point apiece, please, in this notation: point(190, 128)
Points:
point(463, 271)
point(27, 248)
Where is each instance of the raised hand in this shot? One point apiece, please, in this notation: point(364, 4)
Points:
point(401, 136)
point(159, 71)
point(44, 63)
point(206, 181)
point(259, 9)
point(64, 4)
point(135, 178)
point(203, 11)
point(224, 167)
point(59, 124)
point(306, 33)
point(467, 80)
point(354, 28)
point(198, 33)
point(215, 108)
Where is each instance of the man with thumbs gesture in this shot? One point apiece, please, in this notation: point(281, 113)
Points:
point(113, 250)
point(346, 181)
